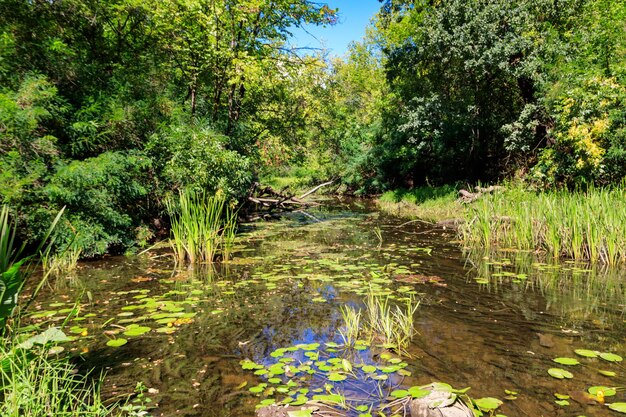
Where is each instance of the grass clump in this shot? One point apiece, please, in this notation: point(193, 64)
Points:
point(36, 384)
point(201, 225)
point(581, 225)
point(63, 262)
point(426, 203)
point(391, 326)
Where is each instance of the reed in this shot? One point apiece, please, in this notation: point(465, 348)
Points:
point(352, 325)
point(229, 233)
point(63, 262)
point(585, 225)
point(35, 383)
point(379, 236)
point(16, 267)
point(200, 225)
point(391, 326)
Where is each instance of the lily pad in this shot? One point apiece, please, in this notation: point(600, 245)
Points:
point(488, 403)
point(399, 393)
point(335, 377)
point(607, 373)
point(369, 369)
point(611, 357)
point(606, 391)
point(566, 361)
point(586, 353)
point(137, 331)
point(619, 407)
point(560, 373)
point(117, 342)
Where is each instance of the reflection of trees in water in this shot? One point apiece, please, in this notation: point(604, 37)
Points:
point(576, 294)
point(199, 364)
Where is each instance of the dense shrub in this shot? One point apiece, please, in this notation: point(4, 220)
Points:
point(107, 197)
point(199, 158)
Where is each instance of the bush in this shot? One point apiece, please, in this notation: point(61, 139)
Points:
point(106, 199)
point(197, 158)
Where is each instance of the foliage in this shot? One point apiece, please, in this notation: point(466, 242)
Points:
point(582, 225)
point(36, 383)
point(474, 90)
point(105, 197)
point(14, 263)
point(199, 159)
point(200, 226)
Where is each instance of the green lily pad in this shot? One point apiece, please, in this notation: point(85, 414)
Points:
point(117, 342)
point(335, 377)
point(560, 373)
point(399, 393)
point(619, 407)
point(586, 353)
point(488, 403)
point(369, 369)
point(566, 361)
point(607, 391)
point(562, 403)
point(611, 357)
point(417, 392)
point(137, 331)
point(607, 373)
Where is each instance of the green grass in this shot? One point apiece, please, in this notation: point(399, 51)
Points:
point(425, 203)
point(392, 326)
point(379, 321)
point(63, 262)
point(352, 325)
point(200, 226)
point(581, 225)
point(35, 384)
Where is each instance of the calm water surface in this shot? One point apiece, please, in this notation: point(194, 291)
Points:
point(488, 322)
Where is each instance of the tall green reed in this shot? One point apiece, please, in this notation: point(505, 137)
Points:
point(391, 325)
point(15, 266)
point(200, 226)
point(63, 262)
point(585, 225)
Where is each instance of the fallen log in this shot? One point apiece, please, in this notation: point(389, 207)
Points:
point(272, 200)
point(314, 189)
point(469, 197)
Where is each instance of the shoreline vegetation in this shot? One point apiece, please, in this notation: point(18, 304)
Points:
point(588, 226)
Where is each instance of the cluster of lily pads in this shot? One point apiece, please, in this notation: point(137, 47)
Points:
point(596, 393)
point(337, 376)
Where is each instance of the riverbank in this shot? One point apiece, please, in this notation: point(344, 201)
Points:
point(432, 204)
point(581, 225)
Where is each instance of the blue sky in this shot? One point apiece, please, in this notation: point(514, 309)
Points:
point(354, 15)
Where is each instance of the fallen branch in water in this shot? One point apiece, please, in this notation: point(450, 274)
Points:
point(272, 200)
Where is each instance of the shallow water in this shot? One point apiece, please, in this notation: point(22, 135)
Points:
point(488, 322)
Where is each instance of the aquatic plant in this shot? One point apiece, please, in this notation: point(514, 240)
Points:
point(199, 225)
point(14, 263)
point(63, 262)
point(582, 225)
point(393, 327)
point(352, 325)
point(36, 382)
point(229, 233)
point(379, 236)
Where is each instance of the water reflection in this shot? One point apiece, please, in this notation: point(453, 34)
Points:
point(492, 322)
